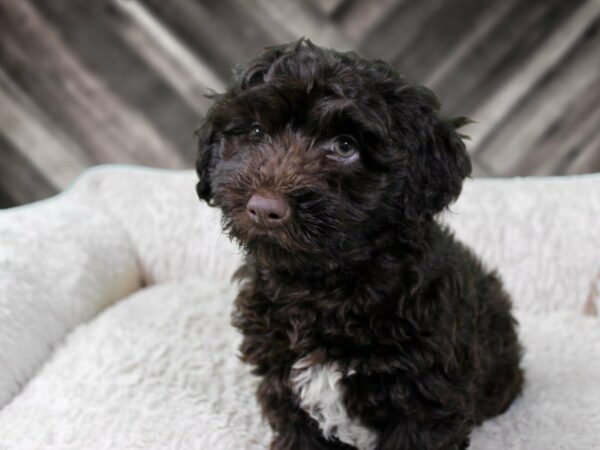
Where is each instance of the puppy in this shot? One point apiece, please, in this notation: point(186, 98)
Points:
point(370, 326)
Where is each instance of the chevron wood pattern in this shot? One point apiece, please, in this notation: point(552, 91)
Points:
point(83, 83)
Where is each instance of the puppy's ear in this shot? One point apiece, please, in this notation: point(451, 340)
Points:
point(440, 162)
point(435, 160)
point(206, 159)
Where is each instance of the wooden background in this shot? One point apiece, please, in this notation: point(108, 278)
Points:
point(85, 82)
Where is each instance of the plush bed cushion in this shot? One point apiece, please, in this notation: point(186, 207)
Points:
point(159, 370)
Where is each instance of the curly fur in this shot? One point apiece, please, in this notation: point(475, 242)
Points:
point(362, 280)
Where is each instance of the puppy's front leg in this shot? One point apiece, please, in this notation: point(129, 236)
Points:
point(293, 428)
point(304, 437)
point(406, 434)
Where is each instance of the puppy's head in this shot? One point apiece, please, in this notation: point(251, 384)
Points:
point(311, 154)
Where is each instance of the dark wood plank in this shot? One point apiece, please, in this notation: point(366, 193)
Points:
point(358, 18)
point(328, 8)
point(588, 158)
point(582, 160)
point(299, 21)
point(582, 141)
point(5, 200)
point(20, 181)
point(397, 29)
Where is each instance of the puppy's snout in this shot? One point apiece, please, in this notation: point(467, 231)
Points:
point(268, 209)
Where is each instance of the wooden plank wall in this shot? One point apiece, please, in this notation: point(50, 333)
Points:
point(83, 83)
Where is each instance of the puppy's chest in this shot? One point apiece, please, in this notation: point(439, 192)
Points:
point(320, 391)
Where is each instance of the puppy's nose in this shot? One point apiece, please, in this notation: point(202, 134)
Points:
point(268, 209)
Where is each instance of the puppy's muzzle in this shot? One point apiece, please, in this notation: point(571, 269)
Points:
point(268, 209)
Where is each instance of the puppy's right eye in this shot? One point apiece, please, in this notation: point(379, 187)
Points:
point(344, 148)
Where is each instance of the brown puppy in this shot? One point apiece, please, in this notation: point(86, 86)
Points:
point(370, 325)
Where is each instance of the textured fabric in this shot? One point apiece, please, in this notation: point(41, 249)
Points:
point(543, 235)
point(158, 369)
point(61, 262)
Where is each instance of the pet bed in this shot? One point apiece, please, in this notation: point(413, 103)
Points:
point(115, 300)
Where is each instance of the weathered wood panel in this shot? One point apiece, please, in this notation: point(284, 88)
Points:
point(93, 32)
point(224, 34)
point(560, 114)
point(357, 19)
point(124, 81)
point(502, 55)
point(515, 118)
point(82, 103)
point(40, 143)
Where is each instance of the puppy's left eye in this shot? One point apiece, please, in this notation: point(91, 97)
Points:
point(256, 132)
point(345, 147)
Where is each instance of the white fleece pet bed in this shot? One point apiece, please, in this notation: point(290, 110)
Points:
point(115, 300)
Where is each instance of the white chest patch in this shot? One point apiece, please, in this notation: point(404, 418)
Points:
point(319, 390)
